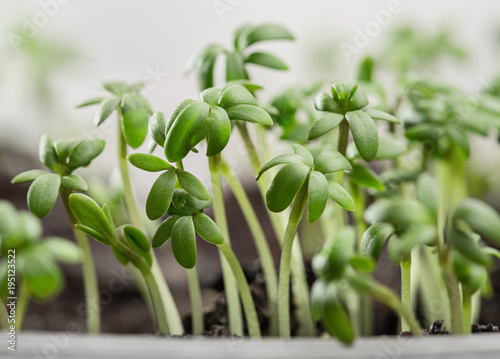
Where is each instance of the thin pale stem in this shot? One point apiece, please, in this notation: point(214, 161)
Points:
point(300, 287)
point(406, 289)
point(266, 258)
point(174, 318)
point(90, 284)
point(286, 256)
point(195, 299)
point(230, 284)
point(246, 295)
point(22, 304)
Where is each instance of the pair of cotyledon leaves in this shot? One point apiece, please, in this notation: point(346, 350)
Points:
point(134, 109)
point(192, 121)
point(244, 37)
point(36, 257)
point(301, 167)
point(414, 224)
point(98, 223)
point(186, 218)
point(62, 158)
point(348, 104)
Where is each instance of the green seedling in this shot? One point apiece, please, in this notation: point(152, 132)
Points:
point(244, 38)
point(302, 179)
point(339, 270)
point(62, 158)
point(29, 263)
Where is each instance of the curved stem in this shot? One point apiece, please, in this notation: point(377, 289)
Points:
point(286, 256)
point(406, 289)
point(90, 283)
point(266, 258)
point(195, 299)
point(246, 295)
point(300, 288)
point(230, 284)
point(174, 318)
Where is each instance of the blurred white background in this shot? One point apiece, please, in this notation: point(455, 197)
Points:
point(130, 39)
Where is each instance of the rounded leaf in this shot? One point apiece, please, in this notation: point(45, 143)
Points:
point(150, 163)
point(364, 133)
point(400, 246)
point(235, 69)
point(480, 217)
point(107, 107)
point(267, 60)
point(48, 155)
point(160, 195)
point(135, 121)
point(207, 229)
point(365, 177)
point(340, 195)
point(218, 137)
point(74, 182)
point(85, 152)
point(136, 238)
point(374, 238)
point(43, 193)
point(468, 246)
point(192, 185)
point(323, 102)
point(325, 124)
point(188, 129)
point(28, 176)
point(317, 195)
point(158, 128)
point(380, 115)
point(88, 212)
point(211, 96)
point(265, 32)
point(43, 278)
point(120, 257)
point(236, 95)
point(279, 160)
point(60, 249)
point(330, 161)
point(249, 113)
point(184, 242)
point(64, 148)
point(285, 186)
point(304, 153)
point(164, 231)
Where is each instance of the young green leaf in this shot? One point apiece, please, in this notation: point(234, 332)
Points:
point(459, 137)
point(317, 195)
point(206, 69)
point(480, 217)
point(285, 186)
point(470, 274)
point(74, 182)
point(148, 162)
point(48, 155)
point(365, 177)
point(330, 161)
point(176, 113)
point(235, 69)
point(365, 69)
point(427, 192)
point(120, 257)
point(164, 231)
point(380, 115)
point(64, 148)
point(105, 109)
point(219, 136)
point(90, 102)
point(467, 246)
point(400, 247)
point(160, 195)
point(190, 126)
point(399, 212)
point(374, 238)
point(184, 242)
point(157, 127)
point(265, 32)
point(325, 124)
point(85, 152)
point(279, 160)
point(390, 147)
point(267, 60)
point(364, 133)
point(192, 185)
point(136, 238)
point(211, 96)
point(43, 278)
point(340, 195)
point(323, 102)
point(362, 263)
point(88, 212)
point(117, 88)
point(236, 95)
point(43, 193)
point(28, 176)
point(249, 113)
point(94, 234)
point(207, 229)
point(135, 112)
